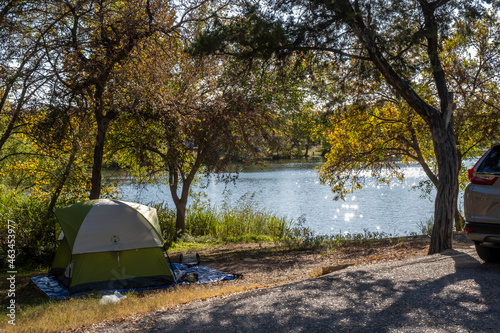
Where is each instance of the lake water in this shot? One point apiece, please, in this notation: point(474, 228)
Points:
point(293, 190)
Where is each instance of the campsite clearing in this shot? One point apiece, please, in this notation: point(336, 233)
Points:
point(262, 265)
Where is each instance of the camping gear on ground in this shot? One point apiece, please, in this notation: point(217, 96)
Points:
point(110, 244)
point(189, 259)
point(51, 286)
point(189, 277)
point(116, 297)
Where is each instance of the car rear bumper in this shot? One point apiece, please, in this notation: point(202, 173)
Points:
point(485, 233)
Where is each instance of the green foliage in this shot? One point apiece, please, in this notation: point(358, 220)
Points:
point(35, 234)
point(300, 237)
point(166, 218)
point(374, 130)
point(374, 140)
point(426, 226)
point(256, 35)
point(207, 223)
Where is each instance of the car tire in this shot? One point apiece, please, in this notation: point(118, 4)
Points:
point(488, 254)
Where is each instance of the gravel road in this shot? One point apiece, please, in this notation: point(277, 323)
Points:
point(449, 292)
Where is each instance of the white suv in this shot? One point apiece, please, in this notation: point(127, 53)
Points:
point(482, 205)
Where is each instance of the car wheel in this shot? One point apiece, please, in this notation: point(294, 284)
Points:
point(488, 254)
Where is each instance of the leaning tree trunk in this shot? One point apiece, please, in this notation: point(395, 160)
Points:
point(446, 196)
point(62, 181)
point(439, 120)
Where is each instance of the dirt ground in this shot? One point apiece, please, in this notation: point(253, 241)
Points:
point(268, 264)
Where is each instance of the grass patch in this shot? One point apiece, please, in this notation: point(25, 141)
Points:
point(210, 224)
point(300, 237)
point(426, 226)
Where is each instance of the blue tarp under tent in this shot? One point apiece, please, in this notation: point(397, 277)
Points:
point(185, 274)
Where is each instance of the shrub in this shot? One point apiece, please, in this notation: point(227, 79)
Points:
point(426, 226)
point(35, 234)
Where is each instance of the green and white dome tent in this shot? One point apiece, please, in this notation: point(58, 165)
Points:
point(110, 244)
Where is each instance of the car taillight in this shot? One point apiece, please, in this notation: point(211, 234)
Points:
point(481, 179)
point(471, 173)
point(467, 230)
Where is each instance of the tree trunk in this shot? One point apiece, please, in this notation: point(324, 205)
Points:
point(180, 218)
point(459, 219)
point(179, 201)
point(440, 121)
point(15, 116)
point(96, 181)
point(5, 136)
point(180, 204)
point(446, 196)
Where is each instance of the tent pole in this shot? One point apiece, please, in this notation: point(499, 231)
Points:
point(171, 267)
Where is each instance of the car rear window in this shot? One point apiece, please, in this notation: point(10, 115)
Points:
point(491, 163)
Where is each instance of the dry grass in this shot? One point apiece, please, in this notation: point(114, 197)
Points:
point(82, 312)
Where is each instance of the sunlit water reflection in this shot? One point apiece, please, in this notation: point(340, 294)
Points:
point(293, 190)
